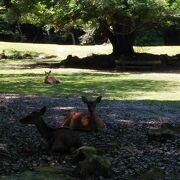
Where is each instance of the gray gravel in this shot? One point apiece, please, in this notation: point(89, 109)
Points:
point(127, 124)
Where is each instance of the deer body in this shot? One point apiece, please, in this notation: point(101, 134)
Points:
point(58, 140)
point(49, 79)
point(86, 121)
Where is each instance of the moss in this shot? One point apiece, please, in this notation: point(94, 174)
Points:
point(94, 166)
point(42, 173)
point(84, 152)
point(104, 161)
point(153, 174)
point(50, 170)
point(108, 147)
point(166, 131)
point(90, 163)
point(88, 150)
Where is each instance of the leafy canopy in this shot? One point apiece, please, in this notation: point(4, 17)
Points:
point(133, 15)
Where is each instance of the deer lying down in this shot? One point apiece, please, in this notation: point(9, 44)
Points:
point(86, 121)
point(50, 79)
point(61, 140)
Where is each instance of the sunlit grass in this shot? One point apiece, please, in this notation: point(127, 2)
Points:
point(169, 50)
point(62, 51)
point(127, 86)
point(20, 77)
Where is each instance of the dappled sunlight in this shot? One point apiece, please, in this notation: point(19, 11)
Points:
point(118, 86)
point(159, 50)
point(25, 78)
point(125, 121)
point(82, 51)
point(64, 50)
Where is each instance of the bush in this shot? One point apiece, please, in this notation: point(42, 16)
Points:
point(150, 37)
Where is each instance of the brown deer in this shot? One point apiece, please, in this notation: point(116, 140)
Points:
point(86, 121)
point(62, 140)
point(50, 79)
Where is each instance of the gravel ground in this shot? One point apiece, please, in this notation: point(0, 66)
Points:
point(127, 124)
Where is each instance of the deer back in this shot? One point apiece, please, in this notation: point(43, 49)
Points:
point(59, 139)
point(85, 121)
point(65, 140)
point(78, 120)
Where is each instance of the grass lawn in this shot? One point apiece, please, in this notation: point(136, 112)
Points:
point(17, 76)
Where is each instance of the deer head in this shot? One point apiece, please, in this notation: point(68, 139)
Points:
point(57, 139)
point(47, 73)
point(34, 117)
point(86, 121)
point(91, 104)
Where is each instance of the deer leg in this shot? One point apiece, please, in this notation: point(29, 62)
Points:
point(44, 145)
point(66, 121)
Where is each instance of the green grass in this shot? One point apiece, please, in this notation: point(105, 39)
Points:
point(63, 50)
point(18, 76)
point(111, 85)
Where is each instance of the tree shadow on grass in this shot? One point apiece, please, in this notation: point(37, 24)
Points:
point(98, 62)
point(109, 62)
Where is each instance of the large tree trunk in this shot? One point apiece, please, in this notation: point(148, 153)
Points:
point(172, 36)
point(122, 43)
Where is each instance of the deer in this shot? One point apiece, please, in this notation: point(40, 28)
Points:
point(2, 55)
point(58, 140)
point(85, 121)
point(50, 79)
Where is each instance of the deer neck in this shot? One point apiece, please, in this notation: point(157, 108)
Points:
point(44, 130)
point(96, 122)
point(92, 115)
point(46, 78)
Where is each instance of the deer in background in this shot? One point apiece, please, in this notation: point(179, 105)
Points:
point(62, 140)
point(2, 55)
point(86, 121)
point(50, 79)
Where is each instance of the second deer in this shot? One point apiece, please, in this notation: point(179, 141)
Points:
point(86, 121)
point(61, 140)
point(50, 79)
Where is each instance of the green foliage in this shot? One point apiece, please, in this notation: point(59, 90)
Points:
point(131, 13)
point(149, 37)
point(115, 17)
point(128, 13)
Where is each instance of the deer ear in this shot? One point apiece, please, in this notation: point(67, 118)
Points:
point(43, 110)
point(98, 99)
point(84, 99)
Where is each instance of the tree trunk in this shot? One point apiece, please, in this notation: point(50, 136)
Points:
point(122, 43)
